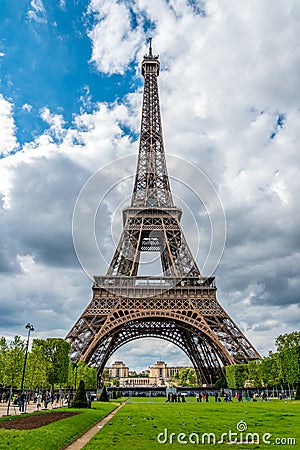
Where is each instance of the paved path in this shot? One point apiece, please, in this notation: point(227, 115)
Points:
point(30, 407)
point(88, 435)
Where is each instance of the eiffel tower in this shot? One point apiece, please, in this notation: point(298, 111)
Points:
point(181, 305)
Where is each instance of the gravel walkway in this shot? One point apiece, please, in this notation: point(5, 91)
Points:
point(88, 435)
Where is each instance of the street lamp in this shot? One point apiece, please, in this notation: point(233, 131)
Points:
point(30, 328)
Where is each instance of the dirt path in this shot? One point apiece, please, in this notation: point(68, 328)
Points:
point(88, 435)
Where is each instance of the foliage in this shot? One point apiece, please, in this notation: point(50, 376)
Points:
point(236, 375)
point(188, 377)
point(290, 362)
point(285, 341)
point(105, 374)
point(82, 371)
point(255, 373)
point(271, 373)
point(278, 369)
point(80, 399)
point(221, 383)
point(57, 354)
point(11, 361)
point(36, 373)
point(104, 395)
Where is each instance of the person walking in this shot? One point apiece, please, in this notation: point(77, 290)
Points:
point(38, 401)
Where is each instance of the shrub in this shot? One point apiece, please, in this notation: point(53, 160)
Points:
point(104, 396)
point(80, 399)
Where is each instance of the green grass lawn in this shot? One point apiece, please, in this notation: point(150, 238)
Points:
point(141, 420)
point(57, 434)
point(138, 423)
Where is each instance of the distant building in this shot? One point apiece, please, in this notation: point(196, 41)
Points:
point(162, 371)
point(158, 375)
point(118, 370)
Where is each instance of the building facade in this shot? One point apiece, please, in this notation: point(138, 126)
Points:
point(159, 374)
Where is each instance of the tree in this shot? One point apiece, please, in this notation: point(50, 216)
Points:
point(236, 375)
point(80, 399)
point(14, 361)
point(105, 374)
point(82, 371)
point(188, 377)
point(56, 358)
point(290, 362)
point(255, 373)
point(3, 355)
point(269, 370)
point(287, 340)
point(36, 373)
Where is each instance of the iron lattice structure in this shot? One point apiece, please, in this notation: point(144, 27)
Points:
point(179, 306)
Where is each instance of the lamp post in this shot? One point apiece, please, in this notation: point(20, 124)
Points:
point(30, 328)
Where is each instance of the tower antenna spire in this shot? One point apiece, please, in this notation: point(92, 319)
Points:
point(150, 47)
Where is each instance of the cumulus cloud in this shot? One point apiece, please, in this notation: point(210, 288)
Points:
point(8, 141)
point(115, 40)
point(230, 104)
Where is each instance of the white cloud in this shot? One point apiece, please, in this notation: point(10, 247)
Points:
point(114, 41)
point(26, 107)
point(8, 140)
point(226, 79)
point(37, 11)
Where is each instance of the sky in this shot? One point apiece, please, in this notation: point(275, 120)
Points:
point(70, 106)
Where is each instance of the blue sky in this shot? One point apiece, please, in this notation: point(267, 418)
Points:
point(70, 104)
point(46, 61)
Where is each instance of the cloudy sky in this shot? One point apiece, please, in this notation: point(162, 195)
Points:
point(70, 104)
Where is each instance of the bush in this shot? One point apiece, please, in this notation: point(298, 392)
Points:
point(221, 383)
point(80, 400)
point(104, 396)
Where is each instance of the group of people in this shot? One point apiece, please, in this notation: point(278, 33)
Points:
point(204, 397)
point(173, 397)
point(42, 399)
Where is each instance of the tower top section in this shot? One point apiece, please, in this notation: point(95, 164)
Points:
point(152, 187)
point(150, 62)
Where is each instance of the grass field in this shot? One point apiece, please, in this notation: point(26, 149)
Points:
point(57, 434)
point(140, 421)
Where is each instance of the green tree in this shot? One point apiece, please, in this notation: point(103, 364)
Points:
point(236, 375)
point(80, 399)
point(188, 377)
point(105, 374)
point(255, 373)
point(287, 340)
point(3, 356)
point(14, 362)
point(290, 362)
point(56, 357)
point(36, 373)
point(82, 371)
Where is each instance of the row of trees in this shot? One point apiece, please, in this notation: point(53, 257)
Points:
point(48, 365)
point(279, 369)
